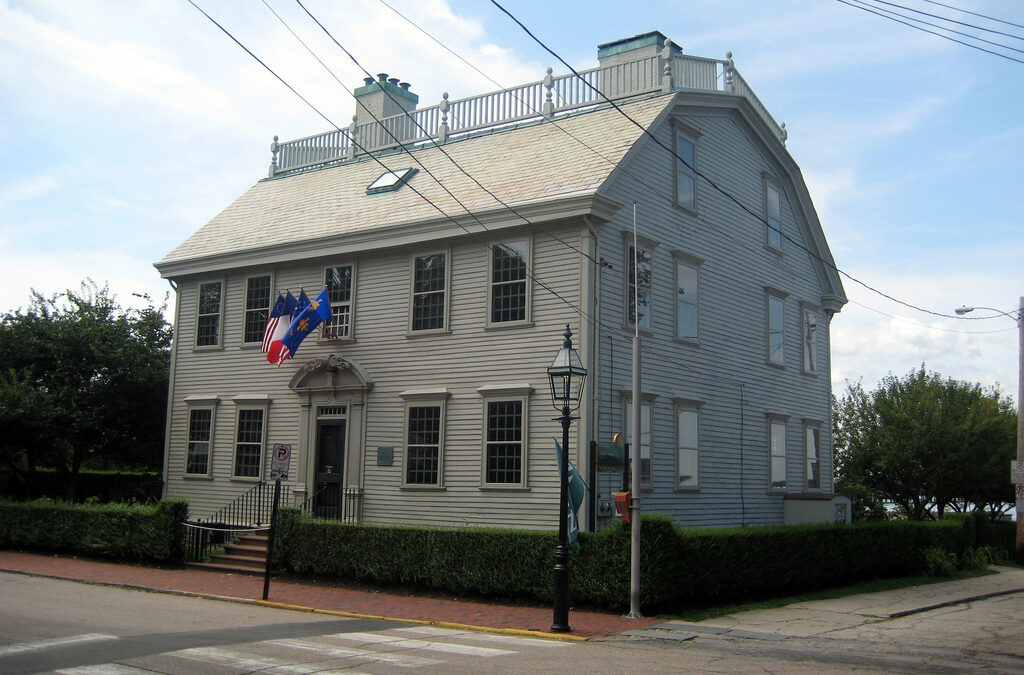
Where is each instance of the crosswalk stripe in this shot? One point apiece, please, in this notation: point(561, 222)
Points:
point(482, 637)
point(234, 659)
point(405, 643)
point(104, 669)
point(54, 642)
point(393, 658)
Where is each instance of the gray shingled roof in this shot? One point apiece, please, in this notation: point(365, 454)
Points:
point(529, 164)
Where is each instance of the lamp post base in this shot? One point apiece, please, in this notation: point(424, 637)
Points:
point(560, 622)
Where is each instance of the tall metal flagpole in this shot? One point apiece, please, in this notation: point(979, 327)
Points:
point(634, 502)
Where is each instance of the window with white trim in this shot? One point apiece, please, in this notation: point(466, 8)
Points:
point(509, 289)
point(687, 300)
point(776, 338)
point(639, 287)
point(505, 445)
point(777, 453)
point(340, 282)
point(645, 437)
point(200, 441)
point(249, 442)
point(773, 216)
point(257, 307)
point(429, 292)
point(687, 447)
point(812, 447)
point(424, 435)
point(810, 335)
point(686, 175)
point(208, 312)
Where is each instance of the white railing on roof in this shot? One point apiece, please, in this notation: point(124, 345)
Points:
point(669, 72)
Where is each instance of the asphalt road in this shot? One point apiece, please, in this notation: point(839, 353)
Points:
point(57, 626)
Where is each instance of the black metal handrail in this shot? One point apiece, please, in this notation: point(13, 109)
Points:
point(248, 512)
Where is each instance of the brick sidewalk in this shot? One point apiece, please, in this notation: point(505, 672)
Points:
point(308, 595)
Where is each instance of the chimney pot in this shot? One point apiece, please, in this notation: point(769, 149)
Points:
point(382, 77)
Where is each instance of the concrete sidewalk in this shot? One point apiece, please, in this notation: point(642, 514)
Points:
point(322, 598)
point(820, 617)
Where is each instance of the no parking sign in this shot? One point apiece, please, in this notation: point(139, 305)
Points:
point(280, 459)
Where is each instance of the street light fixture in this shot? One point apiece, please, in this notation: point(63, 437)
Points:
point(1019, 502)
point(567, 376)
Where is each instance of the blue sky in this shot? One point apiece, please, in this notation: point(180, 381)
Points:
point(126, 126)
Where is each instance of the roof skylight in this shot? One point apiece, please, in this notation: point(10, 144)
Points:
point(390, 181)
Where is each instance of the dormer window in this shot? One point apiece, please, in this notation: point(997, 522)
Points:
point(389, 181)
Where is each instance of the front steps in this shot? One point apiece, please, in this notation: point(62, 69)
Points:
point(245, 555)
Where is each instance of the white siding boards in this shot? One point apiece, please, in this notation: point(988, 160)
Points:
point(432, 403)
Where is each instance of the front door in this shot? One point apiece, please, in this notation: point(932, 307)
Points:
point(330, 458)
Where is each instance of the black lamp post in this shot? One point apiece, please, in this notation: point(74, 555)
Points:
point(567, 376)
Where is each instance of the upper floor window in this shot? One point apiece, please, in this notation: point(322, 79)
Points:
point(686, 175)
point(639, 287)
point(812, 446)
point(208, 313)
point(773, 216)
point(509, 289)
point(810, 335)
point(777, 453)
point(200, 434)
point(424, 443)
point(645, 437)
point(687, 447)
point(257, 307)
point(339, 282)
point(249, 443)
point(776, 338)
point(687, 300)
point(429, 291)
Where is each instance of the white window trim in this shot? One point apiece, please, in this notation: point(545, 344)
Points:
point(491, 394)
point(447, 293)
point(322, 335)
point(256, 402)
point(200, 403)
point(770, 294)
point(245, 308)
point(771, 183)
point(808, 426)
point(810, 347)
point(773, 420)
point(693, 136)
point(648, 246)
point(219, 345)
point(695, 263)
point(688, 405)
point(419, 398)
point(527, 319)
point(646, 402)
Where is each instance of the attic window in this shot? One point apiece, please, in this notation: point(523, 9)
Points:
point(390, 181)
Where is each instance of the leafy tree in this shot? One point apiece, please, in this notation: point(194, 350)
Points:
point(926, 445)
point(83, 382)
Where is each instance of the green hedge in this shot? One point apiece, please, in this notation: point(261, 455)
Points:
point(119, 531)
point(679, 567)
point(140, 487)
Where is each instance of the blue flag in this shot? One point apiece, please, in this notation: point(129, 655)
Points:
point(300, 304)
point(577, 492)
point(315, 313)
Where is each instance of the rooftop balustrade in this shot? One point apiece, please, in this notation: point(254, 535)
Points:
point(546, 98)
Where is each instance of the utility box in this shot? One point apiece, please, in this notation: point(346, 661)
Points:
point(815, 507)
point(622, 505)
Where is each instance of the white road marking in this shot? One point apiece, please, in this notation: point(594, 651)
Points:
point(394, 658)
point(235, 659)
point(405, 643)
point(104, 669)
point(39, 645)
point(482, 637)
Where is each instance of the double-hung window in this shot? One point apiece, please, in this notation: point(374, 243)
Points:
point(423, 445)
point(340, 283)
point(777, 453)
point(505, 452)
point(509, 289)
point(687, 299)
point(208, 312)
point(687, 446)
point(686, 170)
point(639, 287)
point(257, 307)
point(812, 447)
point(776, 338)
point(645, 437)
point(429, 292)
point(773, 216)
point(810, 340)
point(249, 442)
point(200, 436)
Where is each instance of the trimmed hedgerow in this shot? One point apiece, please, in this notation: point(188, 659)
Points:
point(118, 531)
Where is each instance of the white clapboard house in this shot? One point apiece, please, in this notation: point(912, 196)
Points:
point(455, 242)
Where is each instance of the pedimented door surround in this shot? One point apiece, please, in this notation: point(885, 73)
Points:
point(324, 386)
